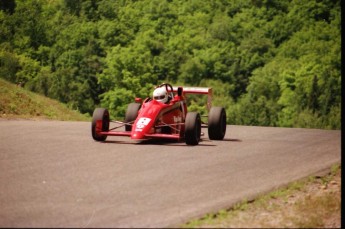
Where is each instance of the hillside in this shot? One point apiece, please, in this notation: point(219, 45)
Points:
point(16, 102)
point(270, 63)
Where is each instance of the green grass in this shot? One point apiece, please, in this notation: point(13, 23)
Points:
point(17, 102)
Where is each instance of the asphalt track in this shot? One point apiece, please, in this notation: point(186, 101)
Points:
point(53, 174)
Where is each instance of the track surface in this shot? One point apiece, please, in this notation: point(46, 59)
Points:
point(53, 174)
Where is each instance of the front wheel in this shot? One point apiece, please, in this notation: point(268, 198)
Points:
point(131, 114)
point(217, 123)
point(192, 128)
point(100, 114)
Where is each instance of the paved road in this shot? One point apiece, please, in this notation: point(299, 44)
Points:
point(53, 174)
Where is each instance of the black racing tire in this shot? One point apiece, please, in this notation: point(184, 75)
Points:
point(216, 123)
point(100, 114)
point(131, 114)
point(192, 128)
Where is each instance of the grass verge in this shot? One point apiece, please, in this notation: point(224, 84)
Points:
point(16, 102)
point(311, 203)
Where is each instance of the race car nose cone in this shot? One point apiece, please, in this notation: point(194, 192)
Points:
point(137, 135)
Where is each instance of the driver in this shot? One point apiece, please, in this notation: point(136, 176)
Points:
point(161, 95)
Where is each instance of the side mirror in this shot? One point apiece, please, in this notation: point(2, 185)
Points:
point(138, 100)
point(179, 91)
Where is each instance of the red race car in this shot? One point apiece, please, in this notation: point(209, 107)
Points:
point(163, 116)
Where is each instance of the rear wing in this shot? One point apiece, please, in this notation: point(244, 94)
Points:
point(196, 90)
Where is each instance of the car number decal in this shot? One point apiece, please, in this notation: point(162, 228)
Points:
point(142, 122)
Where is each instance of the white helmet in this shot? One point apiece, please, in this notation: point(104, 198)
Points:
point(160, 94)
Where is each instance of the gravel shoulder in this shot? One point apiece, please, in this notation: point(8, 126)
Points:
point(311, 203)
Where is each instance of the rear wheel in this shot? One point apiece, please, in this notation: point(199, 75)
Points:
point(192, 128)
point(103, 115)
point(131, 114)
point(217, 123)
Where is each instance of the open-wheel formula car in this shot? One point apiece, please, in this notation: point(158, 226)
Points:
point(164, 116)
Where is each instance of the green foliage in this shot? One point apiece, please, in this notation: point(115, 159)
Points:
point(116, 101)
point(272, 63)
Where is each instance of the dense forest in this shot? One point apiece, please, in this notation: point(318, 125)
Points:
point(269, 62)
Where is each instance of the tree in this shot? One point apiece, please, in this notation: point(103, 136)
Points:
point(275, 62)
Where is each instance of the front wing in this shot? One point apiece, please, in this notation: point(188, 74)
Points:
point(112, 132)
point(147, 136)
